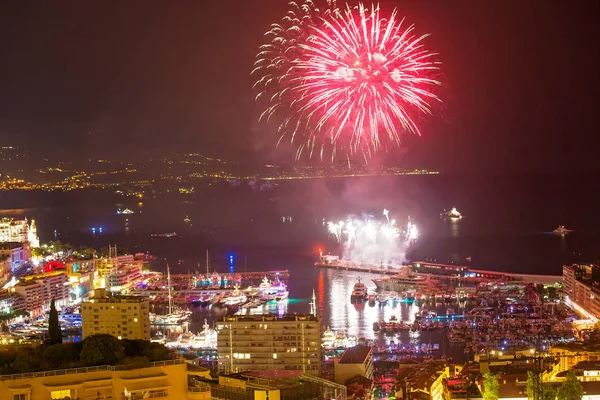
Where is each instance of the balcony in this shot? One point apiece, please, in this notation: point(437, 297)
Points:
point(161, 394)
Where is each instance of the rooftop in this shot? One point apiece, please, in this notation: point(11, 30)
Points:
point(10, 245)
point(272, 317)
point(355, 355)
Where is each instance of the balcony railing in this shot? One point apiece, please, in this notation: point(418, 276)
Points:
point(85, 370)
point(199, 389)
point(148, 395)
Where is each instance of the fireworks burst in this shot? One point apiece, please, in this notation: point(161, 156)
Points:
point(349, 80)
point(366, 240)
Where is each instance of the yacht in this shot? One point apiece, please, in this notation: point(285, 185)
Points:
point(452, 214)
point(328, 339)
point(359, 292)
point(125, 211)
point(406, 280)
point(561, 230)
point(166, 235)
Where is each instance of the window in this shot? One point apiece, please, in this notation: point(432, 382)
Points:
point(60, 394)
point(20, 396)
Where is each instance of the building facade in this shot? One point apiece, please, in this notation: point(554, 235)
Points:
point(19, 231)
point(15, 253)
point(36, 294)
point(357, 360)
point(125, 317)
point(158, 380)
point(579, 292)
point(290, 342)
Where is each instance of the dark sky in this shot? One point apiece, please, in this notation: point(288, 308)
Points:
point(145, 77)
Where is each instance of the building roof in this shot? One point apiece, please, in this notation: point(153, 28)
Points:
point(359, 380)
point(355, 355)
point(10, 245)
point(271, 318)
point(273, 374)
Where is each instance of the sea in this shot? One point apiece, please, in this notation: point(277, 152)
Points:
point(280, 225)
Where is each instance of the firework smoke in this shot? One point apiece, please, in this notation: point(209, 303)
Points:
point(366, 240)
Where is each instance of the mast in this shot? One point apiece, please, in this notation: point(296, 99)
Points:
point(170, 294)
point(207, 263)
point(313, 305)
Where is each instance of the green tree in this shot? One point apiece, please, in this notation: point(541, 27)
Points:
point(54, 331)
point(549, 393)
point(533, 380)
point(64, 355)
point(571, 389)
point(101, 350)
point(491, 387)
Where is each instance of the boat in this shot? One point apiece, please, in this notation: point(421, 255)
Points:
point(359, 292)
point(451, 214)
point(405, 280)
point(328, 339)
point(125, 211)
point(164, 235)
point(561, 230)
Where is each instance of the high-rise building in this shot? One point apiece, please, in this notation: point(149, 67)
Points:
point(260, 342)
point(35, 294)
point(580, 292)
point(19, 231)
point(357, 360)
point(125, 317)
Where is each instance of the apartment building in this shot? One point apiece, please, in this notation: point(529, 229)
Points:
point(579, 291)
point(125, 317)
point(357, 360)
point(261, 342)
point(159, 380)
point(37, 293)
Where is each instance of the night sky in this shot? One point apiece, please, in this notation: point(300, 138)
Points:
point(141, 78)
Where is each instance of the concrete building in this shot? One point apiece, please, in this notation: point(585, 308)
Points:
point(37, 293)
point(159, 380)
point(290, 342)
point(357, 360)
point(13, 230)
point(125, 317)
point(579, 291)
point(19, 230)
point(275, 384)
point(16, 253)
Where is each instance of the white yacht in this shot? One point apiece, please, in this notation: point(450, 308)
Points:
point(561, 230)
point(359, 292)
point(452, 214)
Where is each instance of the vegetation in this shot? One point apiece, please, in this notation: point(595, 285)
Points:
point(55, 247)
point(14, 314)
point(571, 389)
point(54, 331)
point(533, 385)
point(491, 387)
point(92, 351)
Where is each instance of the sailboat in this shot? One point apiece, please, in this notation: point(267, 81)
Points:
point(174, 317)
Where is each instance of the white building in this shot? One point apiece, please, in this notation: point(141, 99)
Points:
point(18, 231)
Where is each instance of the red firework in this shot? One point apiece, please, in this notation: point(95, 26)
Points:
point(348, 80)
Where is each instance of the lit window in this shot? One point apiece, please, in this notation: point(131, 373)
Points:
point(135, 320)
point(274, 356)
point(60, 394)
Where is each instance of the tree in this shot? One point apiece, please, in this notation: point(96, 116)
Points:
point(54, 331)
point(101, 350)
point(491, 387)
point(64, 355)
point(549, 393)
point(532, 385)
point(571, 389)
